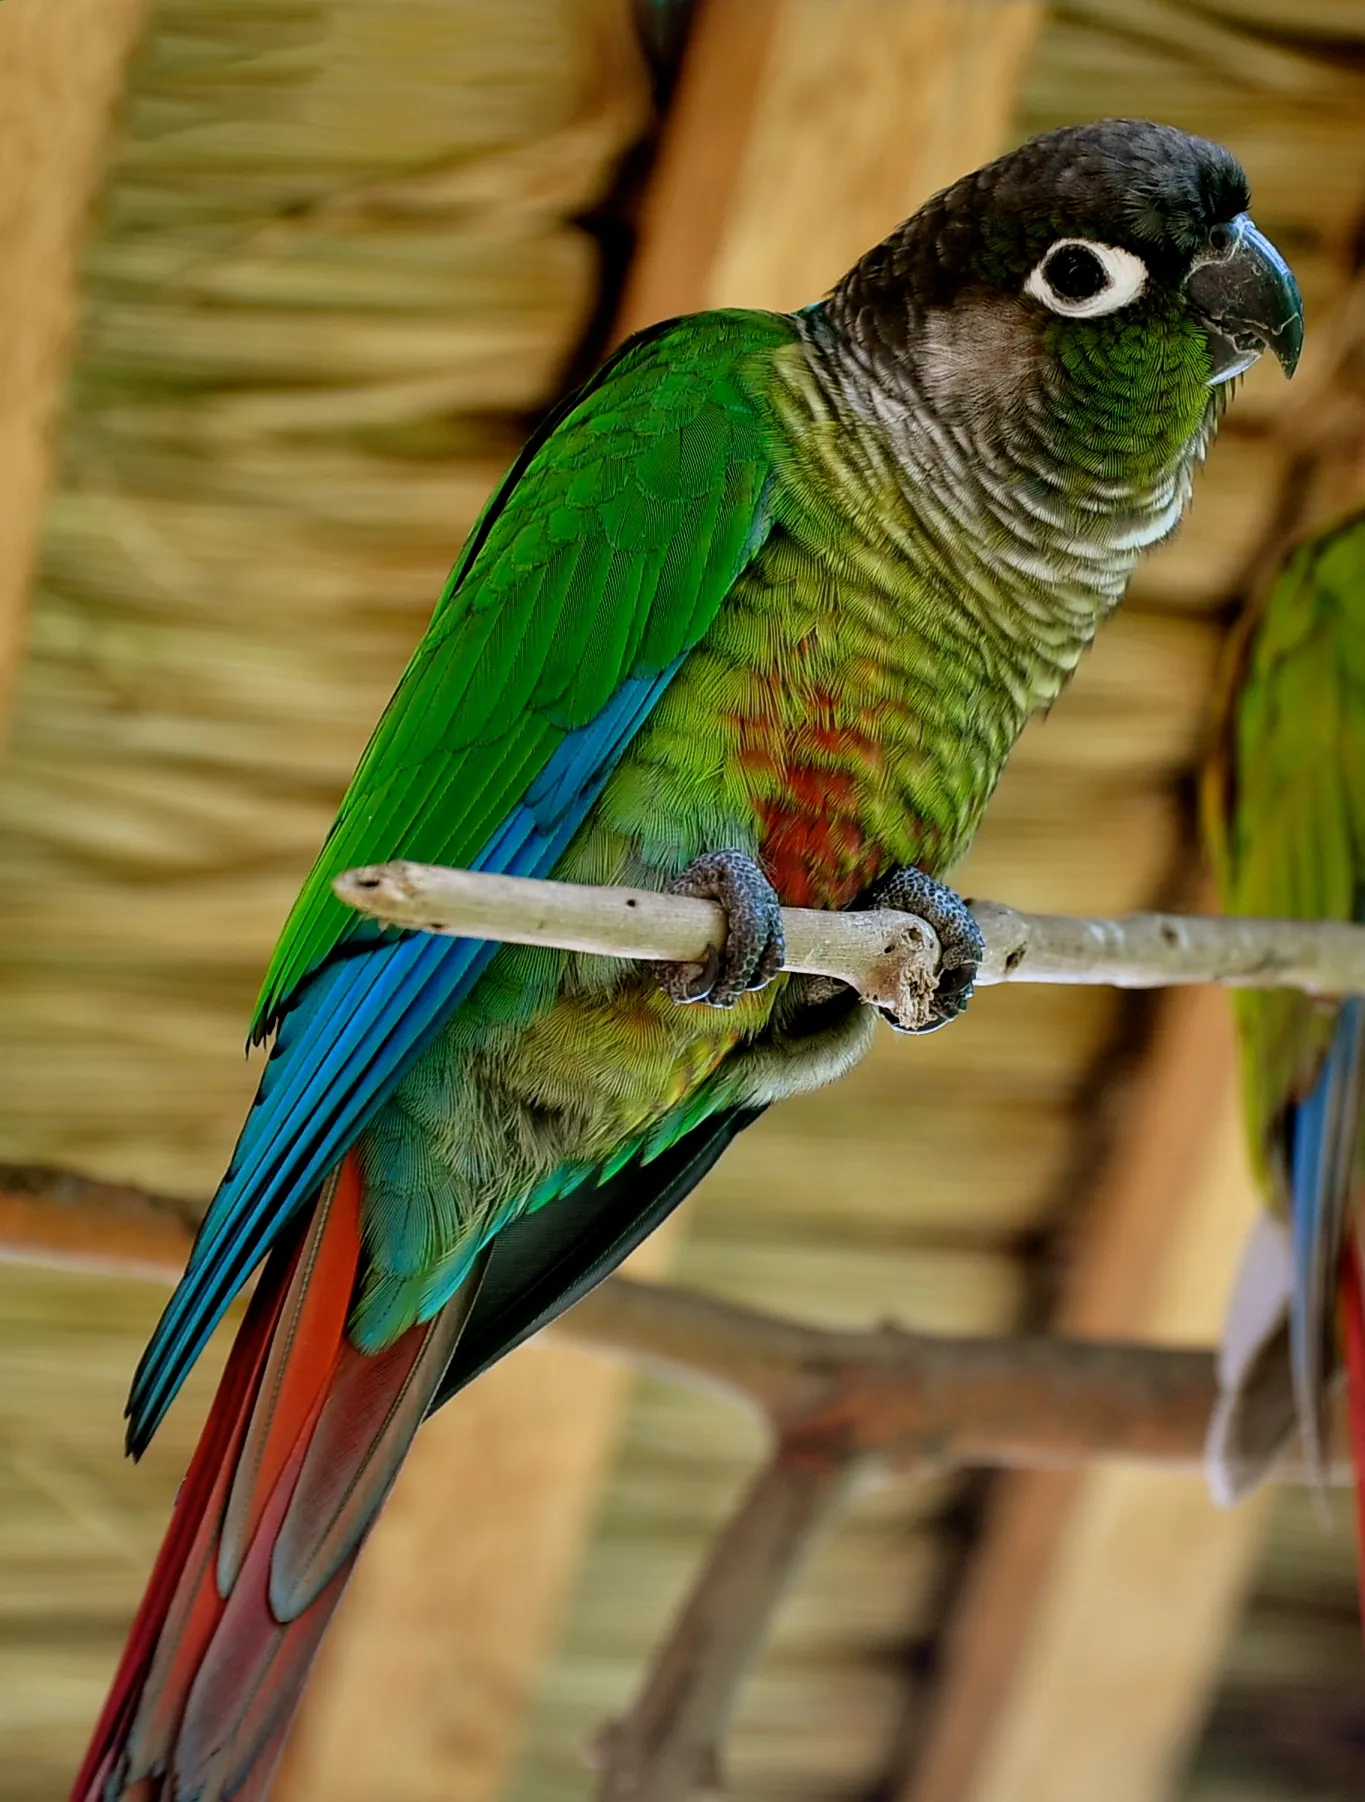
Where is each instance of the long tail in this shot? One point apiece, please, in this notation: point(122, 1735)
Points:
point(299, 1450)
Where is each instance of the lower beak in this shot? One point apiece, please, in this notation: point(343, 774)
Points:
point(1249, 302)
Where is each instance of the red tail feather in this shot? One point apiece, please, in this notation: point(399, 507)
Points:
point(301, 1445)
point(199, 1496)
point(1353, 1310)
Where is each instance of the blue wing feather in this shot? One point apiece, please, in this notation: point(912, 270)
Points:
point(1325, 1129)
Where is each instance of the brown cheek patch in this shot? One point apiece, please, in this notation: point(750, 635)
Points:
point(982, 354)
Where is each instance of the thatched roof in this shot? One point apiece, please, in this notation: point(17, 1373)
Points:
point(335, 265)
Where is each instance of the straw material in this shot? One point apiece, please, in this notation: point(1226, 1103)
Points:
point(332, 270)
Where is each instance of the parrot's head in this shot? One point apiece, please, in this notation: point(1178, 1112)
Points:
point(1106, 277)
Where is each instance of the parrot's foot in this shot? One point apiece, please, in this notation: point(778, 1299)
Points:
point(753, 950)
point(910, 891)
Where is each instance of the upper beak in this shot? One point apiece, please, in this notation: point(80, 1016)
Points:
point(1249, 302)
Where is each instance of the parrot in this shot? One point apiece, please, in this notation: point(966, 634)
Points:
point(1284, 819)
point(757, 615)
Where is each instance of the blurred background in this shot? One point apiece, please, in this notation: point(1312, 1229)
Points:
point(282, 285)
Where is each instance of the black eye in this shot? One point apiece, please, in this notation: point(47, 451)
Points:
point(1221, 239)
point(1075, 273)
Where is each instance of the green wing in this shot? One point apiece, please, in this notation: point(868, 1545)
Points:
point(1285, 803)
point(604, 555)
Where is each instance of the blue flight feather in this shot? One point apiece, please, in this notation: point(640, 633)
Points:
point(1325, 1134)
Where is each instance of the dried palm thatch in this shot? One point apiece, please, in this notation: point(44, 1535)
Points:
point(333, 269)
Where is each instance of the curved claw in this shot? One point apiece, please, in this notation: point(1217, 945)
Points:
point(753, 951)
point(911, 891)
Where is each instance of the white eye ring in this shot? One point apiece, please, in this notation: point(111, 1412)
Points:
point(1126, 278)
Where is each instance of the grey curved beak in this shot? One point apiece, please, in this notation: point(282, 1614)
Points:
point(1249, 303)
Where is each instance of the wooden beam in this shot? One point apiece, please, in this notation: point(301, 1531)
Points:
point(686, 212)
point(804, 130)
point(858, 110)
point(424, 1678)
point(1064, 1678)
point(61, 70)
point(866, 110)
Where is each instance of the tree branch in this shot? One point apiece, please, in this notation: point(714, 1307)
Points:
point(908, 1398)
point(668, 1747)
point(890, 958)
point(65, 1221)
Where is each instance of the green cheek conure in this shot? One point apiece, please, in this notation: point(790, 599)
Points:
point(1285, 822)
point(758, 613)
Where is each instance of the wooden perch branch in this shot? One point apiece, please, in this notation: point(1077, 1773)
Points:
point(890, 958)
